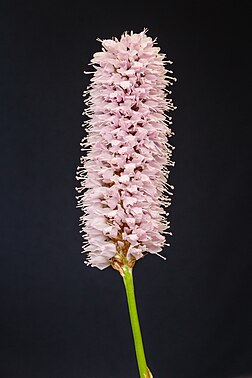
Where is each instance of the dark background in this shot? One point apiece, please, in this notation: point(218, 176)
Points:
point(61, 319)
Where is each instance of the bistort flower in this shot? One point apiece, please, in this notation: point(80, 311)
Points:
point(123, 188)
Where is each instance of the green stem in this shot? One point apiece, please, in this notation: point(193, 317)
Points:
point(144, 372)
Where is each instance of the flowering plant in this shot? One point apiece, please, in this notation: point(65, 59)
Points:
point(123, 188)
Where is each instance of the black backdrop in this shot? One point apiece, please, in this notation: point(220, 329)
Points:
point(61, 319)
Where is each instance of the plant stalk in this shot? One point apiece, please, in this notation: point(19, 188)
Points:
point(144, 371)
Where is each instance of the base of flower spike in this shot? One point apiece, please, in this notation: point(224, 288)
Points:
point(120, 261)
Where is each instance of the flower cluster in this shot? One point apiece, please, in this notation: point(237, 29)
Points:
point(123, 177)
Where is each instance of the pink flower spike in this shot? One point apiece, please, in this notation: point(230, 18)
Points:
point(123, 176)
